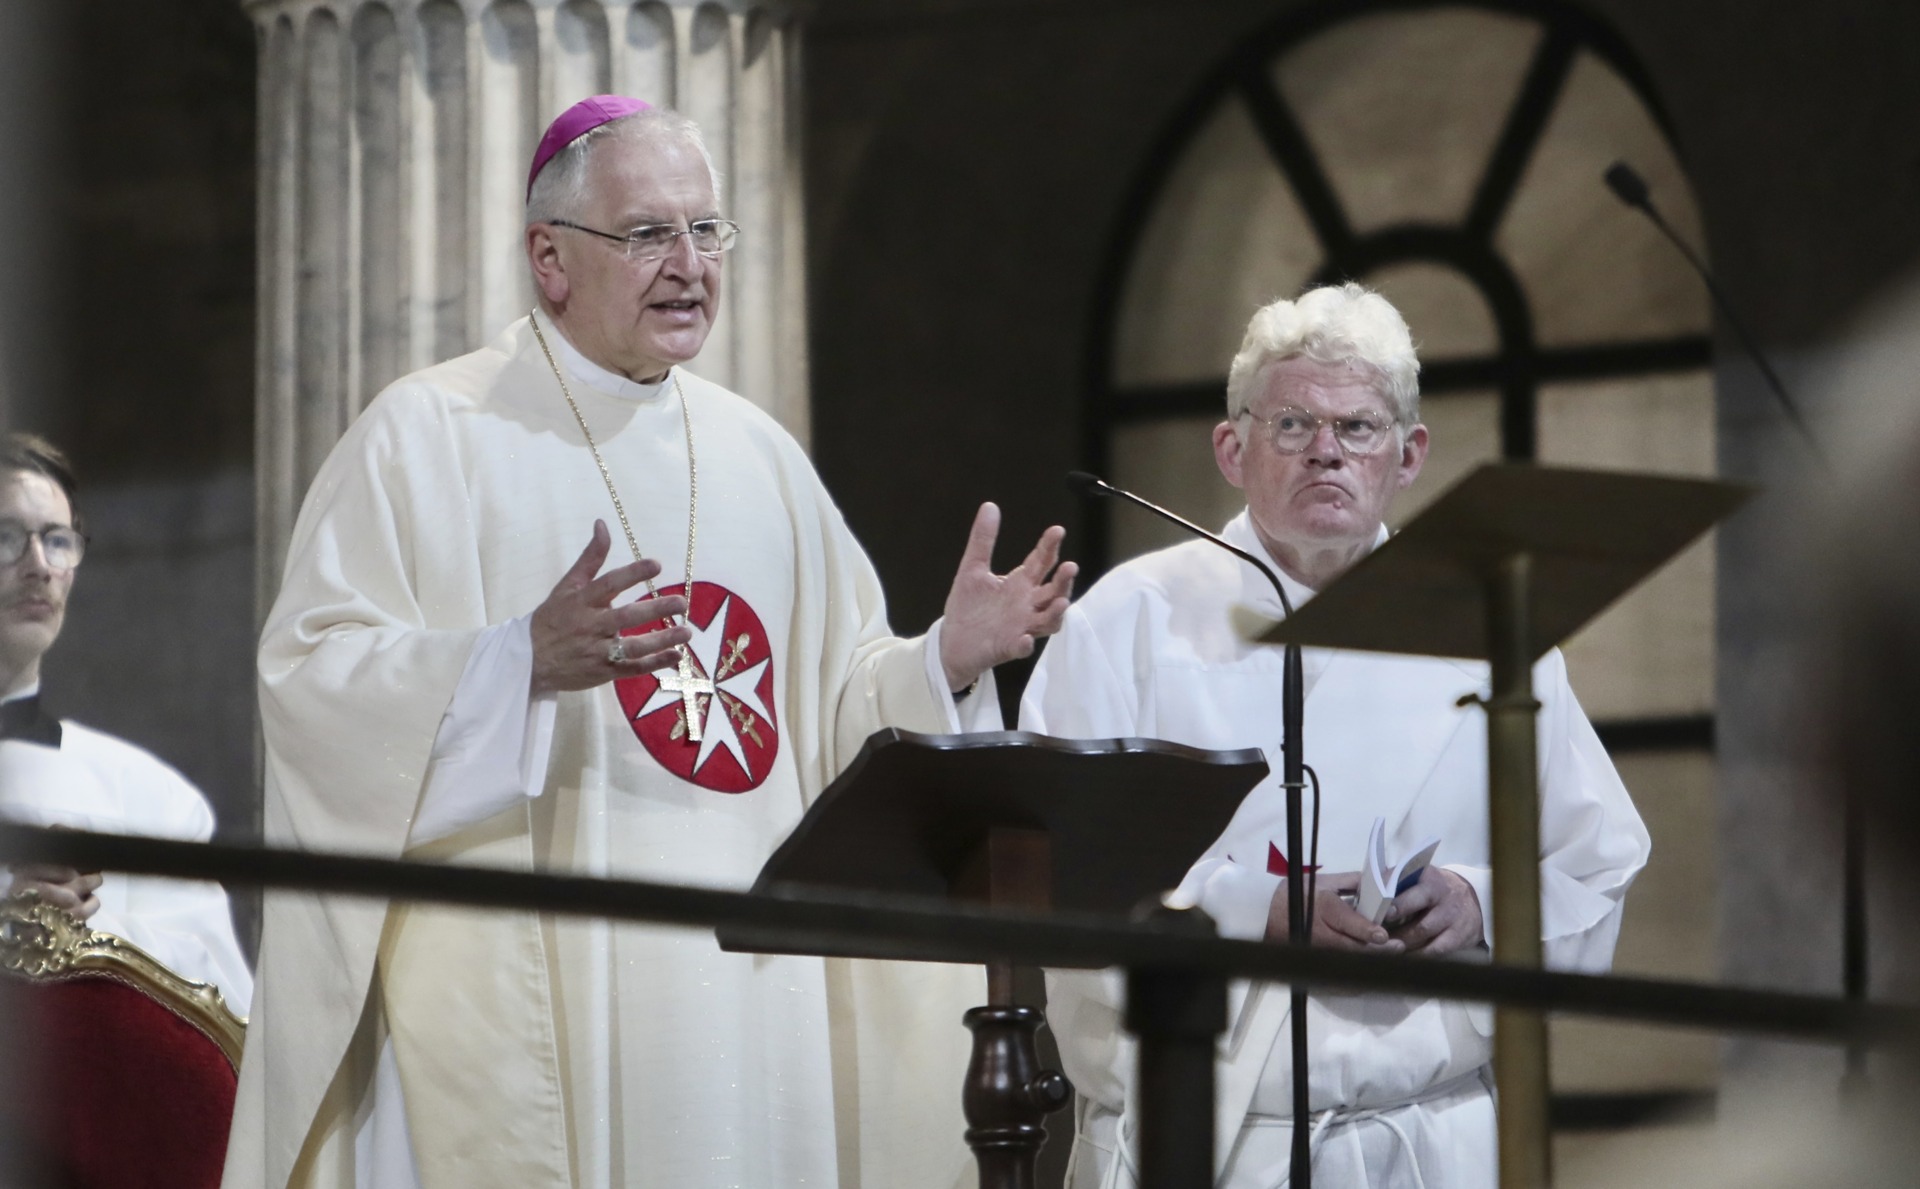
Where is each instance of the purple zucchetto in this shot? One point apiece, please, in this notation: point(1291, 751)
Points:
point(575, 122)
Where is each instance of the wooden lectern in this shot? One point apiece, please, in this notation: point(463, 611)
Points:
point(1506, 564)
point(1010, 820)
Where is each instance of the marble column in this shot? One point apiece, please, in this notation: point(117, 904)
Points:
point(394, 142)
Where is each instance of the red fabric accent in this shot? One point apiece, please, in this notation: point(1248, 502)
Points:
point(744, 643)
point(125, 1093)
point(1277, 862)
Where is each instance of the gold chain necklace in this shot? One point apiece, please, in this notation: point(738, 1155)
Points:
point(686, 682)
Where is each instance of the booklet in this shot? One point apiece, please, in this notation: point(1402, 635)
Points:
point(1381, 881)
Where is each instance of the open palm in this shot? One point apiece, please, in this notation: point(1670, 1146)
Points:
point(991, 618)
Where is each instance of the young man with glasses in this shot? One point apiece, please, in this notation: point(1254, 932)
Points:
point(59, 773)
point(1322, 431)
point(446, 672)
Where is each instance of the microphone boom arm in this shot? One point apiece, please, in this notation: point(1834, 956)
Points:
point(1630, 188)
point(1096, 486)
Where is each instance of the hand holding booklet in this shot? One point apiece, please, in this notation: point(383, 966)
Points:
point(1381, 881)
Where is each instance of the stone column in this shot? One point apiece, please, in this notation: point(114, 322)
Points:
point(394, 142)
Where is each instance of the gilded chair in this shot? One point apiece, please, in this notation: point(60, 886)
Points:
point(132, 1068)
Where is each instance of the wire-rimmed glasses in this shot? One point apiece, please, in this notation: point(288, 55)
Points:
point(1291, 430)
point(63, 547)
point(709, 237)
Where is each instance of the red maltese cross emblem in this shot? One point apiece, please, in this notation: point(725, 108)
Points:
point(710, 720)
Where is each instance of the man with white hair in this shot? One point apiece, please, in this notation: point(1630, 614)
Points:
point(1322, 431)
point(428, 688)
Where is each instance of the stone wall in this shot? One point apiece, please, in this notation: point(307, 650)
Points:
point(27, 71)
point(147, 376)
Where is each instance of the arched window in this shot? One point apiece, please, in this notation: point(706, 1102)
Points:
point(1451, 156)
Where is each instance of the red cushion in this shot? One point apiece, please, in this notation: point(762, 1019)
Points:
point(131, 1095)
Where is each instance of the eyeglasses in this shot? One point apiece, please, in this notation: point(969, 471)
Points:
point(62, 547)
point(1291, 431)
point(709, 237)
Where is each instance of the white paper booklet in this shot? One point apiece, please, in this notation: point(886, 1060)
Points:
point(1380, 881)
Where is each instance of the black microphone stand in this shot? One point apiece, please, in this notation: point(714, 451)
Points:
point(1300, 889)
point(1630, 188)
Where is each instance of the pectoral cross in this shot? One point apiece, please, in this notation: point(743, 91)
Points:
point(690, 686)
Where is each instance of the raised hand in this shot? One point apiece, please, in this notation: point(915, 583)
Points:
point(991, 618)
point(576, 628)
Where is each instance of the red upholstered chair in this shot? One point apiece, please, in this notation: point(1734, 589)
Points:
point(134, 1068)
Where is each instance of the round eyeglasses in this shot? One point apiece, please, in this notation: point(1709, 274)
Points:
point(709, 237)
point(1291, 430)
point(62, 547)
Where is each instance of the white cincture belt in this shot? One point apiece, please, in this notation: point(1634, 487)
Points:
point(1327, 1121)
point(1120, 1155)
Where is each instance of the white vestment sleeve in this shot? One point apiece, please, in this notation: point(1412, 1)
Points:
point(1237, 897)
point(979, 710)
point(1592, 841)
point(492, 747)
point(871, 678)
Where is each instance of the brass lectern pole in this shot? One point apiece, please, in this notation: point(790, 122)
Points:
point(1520, 1037)
point(1511, 560)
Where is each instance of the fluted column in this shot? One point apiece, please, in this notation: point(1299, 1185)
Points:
point(394, 142)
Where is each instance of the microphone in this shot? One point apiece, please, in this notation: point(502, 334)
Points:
point(1293, 777)
point(1095, 486)
point(1632, 190)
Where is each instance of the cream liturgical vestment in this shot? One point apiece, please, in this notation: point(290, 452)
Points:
point(1399, 1087)
point(535, 1051)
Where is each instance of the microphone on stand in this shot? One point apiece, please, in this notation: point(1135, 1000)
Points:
point(1094, 485)
point(1630, 188)
point(1293, 779)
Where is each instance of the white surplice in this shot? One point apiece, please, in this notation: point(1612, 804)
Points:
point(545, 1052)
point(1399, 1086)
point(94, 781)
